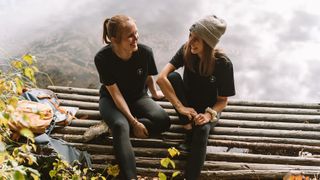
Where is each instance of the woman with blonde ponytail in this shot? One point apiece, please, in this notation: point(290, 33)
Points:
point(125, 70)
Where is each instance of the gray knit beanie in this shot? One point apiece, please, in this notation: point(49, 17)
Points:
point(210, 29)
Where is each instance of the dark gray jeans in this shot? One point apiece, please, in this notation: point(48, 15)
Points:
point(148, 112)
point(200, 134)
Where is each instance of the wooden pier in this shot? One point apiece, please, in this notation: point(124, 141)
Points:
point(252, 140)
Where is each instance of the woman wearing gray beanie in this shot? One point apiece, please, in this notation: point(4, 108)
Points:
point(203, 92)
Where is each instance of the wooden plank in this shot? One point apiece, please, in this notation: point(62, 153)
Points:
point(94, 114)
point(274, 104)
point(74, 90)
point(268, 125)
point(85, 91)
point(208, 165)
point(309, 142)
point(239, 109)
point(211, 156)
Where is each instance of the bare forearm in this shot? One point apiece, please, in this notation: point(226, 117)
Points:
point(220, 104)
point(169, 92)
point(123, 107)
point(151, 85)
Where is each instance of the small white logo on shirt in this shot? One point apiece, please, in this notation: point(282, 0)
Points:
point(212, 79)
point(139, 71)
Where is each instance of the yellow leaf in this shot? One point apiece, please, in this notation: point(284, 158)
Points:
point(176, 173)
point(165, 162)
point(19, 85)
point(34, 176)
point(28, 58)
point(172, 164)
point(85, 170)
point(34, 147)
point(113, 170)
point(173, 152)
point(17, 64)
point(13, 101)
point(2, 105)
point(29, 73)
point(162, 176)
point(27, 133)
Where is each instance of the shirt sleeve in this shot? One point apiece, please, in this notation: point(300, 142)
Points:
point(105, 74)
point(226, 86)
point(152, 68)
point(177, 60)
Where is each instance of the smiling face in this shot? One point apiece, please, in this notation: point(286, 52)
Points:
point(196, 44)
point(129, 37)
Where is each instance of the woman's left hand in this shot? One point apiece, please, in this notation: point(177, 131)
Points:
point(201, 119)
point(158, 95)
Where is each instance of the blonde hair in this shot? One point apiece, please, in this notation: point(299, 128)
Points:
point(114, 27)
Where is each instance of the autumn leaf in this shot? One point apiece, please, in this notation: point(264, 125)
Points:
point(176, 173)
point(27, 133)
point(173, 152)
point(28, 58)
point(162, 176)
point(17, 64)
point(113, 170)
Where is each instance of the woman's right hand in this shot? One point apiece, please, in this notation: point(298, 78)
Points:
point(139, 130)
point(187, 111)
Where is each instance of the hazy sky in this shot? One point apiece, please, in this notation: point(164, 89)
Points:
point(273, 44)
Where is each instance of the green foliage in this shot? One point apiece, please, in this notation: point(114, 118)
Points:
point(63, 170)
point(165, 162)
point(17, 160)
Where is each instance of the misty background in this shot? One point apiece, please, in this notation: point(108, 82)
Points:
point(274, 45)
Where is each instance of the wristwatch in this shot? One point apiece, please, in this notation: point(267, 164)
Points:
point(213, 114)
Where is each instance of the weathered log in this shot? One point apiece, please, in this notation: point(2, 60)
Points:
point(77, 97)
point(84, 122)
point(271, 117)
point(267, 132)
point(82, 105)
point(69, 130)
point(244, 109)
point(222, 131)
point(72, 90)
point(147, 162)
point(309, 142)
point(154, 143)
point(94, 114)
point(274, 104)
point(235, 174)
point(264, 146)
point(268, 125)
point(271, 110)
point(211, 156)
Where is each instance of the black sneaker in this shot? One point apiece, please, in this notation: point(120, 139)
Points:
point(186, 145)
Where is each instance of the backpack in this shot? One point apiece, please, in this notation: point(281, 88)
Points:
point(40, 111)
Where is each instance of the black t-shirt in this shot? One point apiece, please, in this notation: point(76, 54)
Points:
point(202, 91)
point(130, 76)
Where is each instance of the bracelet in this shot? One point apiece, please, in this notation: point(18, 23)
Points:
point(213, 114)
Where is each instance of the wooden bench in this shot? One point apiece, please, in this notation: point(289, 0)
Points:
point(252, 140)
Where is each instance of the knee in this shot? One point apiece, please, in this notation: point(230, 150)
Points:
point(174, 77)
point(161, 120)
point(120, 126)
point(203, 130)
